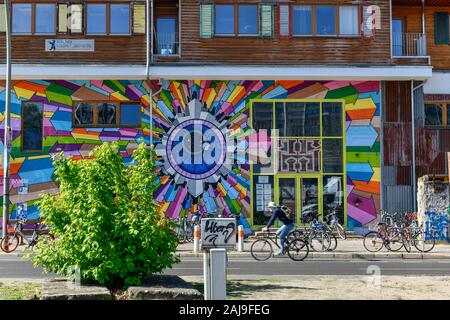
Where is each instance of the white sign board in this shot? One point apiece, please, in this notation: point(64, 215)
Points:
point(218, 233)
point(69, 45)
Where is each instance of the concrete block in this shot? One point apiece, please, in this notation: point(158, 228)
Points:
point(164, 287)
point(61, 289)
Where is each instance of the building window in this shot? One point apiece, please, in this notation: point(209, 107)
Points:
point(247, 19)
point(441, 28)
point(348, 20)
point(297, 119)
point(139, 18)
point(236, 19)
point(437, 114)
point(325, 20)
point(32, 126)
point(96, 18)
point(224, 19)
point(21, 18)
point(105, 114)
point(302, 20)
point(119, 19)
point(45, 19)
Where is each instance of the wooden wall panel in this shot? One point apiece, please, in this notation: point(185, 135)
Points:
point(108, 49)
point(440, 53)
point(253, 50)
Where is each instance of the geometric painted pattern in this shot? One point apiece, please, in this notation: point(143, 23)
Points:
point(228, 101)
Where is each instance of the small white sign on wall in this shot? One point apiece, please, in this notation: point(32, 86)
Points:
point(69, 45)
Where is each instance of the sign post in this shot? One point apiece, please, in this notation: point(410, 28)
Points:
point(217, 234)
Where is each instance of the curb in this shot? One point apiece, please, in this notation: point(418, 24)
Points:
point(345, 255)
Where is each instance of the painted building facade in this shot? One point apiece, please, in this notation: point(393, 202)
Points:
point(339, 113)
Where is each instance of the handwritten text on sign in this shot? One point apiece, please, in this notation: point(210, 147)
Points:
point(218, 233)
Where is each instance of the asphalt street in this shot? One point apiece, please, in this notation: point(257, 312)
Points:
point(17, 267)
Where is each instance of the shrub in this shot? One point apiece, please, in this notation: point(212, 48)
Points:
point(105, 219)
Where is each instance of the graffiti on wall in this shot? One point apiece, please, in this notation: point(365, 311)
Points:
point(180, 110)
point(225, 105)
point(31, 173)
point(436, 226)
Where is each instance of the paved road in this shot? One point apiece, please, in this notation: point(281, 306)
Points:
point(17, 267)
point(193, 266)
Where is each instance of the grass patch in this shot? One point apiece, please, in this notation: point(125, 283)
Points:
point(20, 290)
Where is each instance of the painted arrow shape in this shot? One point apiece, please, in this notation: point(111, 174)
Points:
point(359, 171)
point(361, 136)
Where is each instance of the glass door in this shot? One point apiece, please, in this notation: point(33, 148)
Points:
point(288, 194)
point(397, 37)
point(166, 36)
point(309, 188)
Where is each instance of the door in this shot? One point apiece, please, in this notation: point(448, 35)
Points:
point(302, 195)
point(288, 194)
point(397, 37)
point(310, 206)
point(166, 35)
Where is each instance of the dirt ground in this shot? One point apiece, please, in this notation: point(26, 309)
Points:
point(341, 288)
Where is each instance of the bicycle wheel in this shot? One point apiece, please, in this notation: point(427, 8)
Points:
point(320, 241)
point(261, 250)
point(333, 243)
point(294, 234)
point(394, 239)
point(297, 250)
point(41, 238)
point(407, 242)
point(373, 241)
point(9, 243)
point(424, 243)
point(341, 231)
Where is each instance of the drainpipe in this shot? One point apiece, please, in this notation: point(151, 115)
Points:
point(423, 17)
point(413, 142)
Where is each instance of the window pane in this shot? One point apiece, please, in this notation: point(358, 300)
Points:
point(32, 126)
point(262, 115)
point(332, 119)
point(2, 18)
point(433, 114)
point(302, 20)
point(76, 18)
point(21, 18)
point(224, 19)
point(107, 113)
point(96, 18)
point(62, 17)
point(263, 189)
point(130, 114)
point(298, 119)
point(326, 20)
point(348, 20)
point(120, 19)
point(139, 18)
point(247, 19)
point(45, 18)
point(166, 35)
point(332, 155)
point(333, 197)
point(84, 114)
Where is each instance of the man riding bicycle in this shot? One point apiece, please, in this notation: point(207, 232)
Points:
point(288, 225)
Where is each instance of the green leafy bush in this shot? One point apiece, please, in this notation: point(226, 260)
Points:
point(105, 219)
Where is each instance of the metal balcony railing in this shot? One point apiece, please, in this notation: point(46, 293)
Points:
point(166, 43)
point(409, 44)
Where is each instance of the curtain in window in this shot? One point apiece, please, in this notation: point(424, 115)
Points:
point(302, 20)
point(348, 20)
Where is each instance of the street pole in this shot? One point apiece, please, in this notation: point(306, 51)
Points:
point(7, 123)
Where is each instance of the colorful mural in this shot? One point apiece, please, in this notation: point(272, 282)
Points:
point(217, 107)
point(31, 173)
point(226, 104)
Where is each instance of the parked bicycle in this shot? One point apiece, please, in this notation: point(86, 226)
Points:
point(11, 241)
point(332, 222)
point(262, 249)
point(318, 236)
point(386, 236)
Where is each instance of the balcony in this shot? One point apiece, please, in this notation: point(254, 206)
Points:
point(166, 44)
point(409, 45)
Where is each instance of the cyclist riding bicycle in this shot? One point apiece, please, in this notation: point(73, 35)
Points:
point(288, 224)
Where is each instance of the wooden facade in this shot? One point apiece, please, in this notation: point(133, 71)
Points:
point(121, 49)
point(412, 17)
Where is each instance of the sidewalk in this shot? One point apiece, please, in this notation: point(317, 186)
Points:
point(346, 250)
